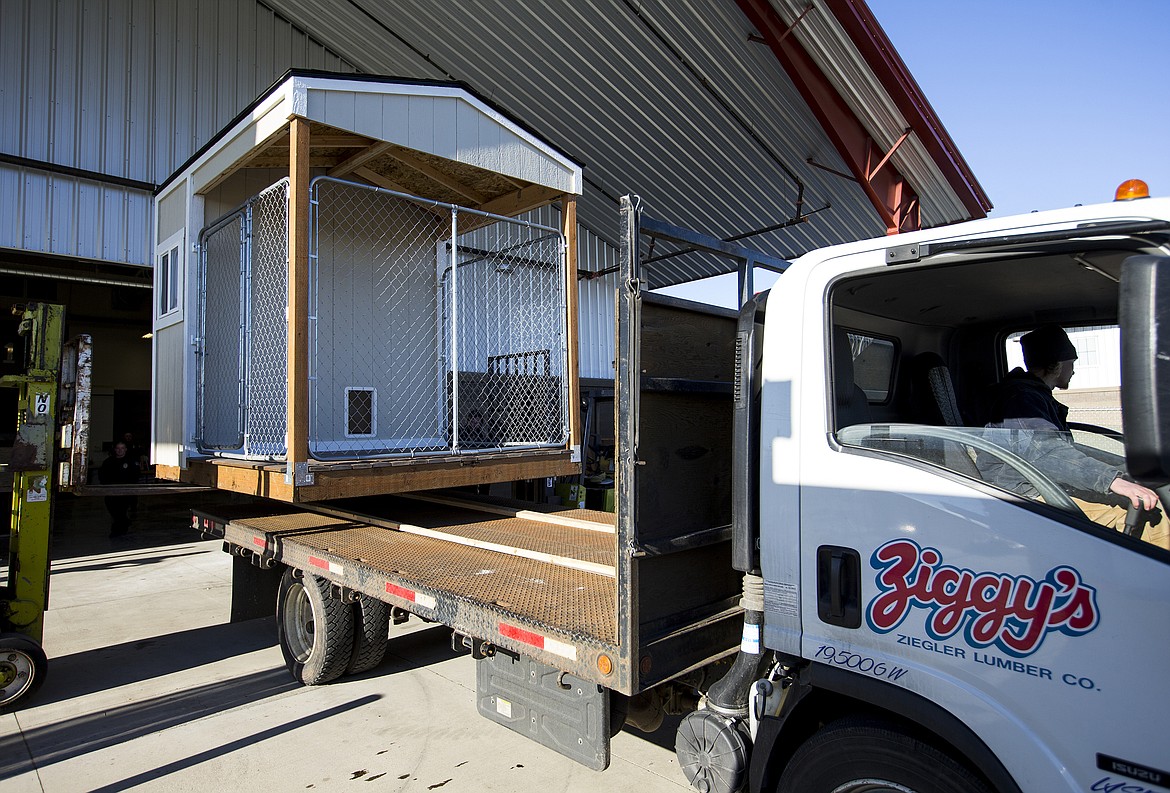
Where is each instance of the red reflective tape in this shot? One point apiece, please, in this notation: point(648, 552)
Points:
point(521, 635)
point(263, 543)
point(323, 564)
point(402, 592)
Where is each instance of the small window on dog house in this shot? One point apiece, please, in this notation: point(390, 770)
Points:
point(361, 412)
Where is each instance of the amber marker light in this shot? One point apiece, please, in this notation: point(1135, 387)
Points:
point(1131, 189)
point(604, 665)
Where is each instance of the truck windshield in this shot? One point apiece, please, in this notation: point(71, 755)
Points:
point(953, 332)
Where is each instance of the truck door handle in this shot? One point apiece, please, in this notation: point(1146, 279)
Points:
point(839, 586)
point(836, 563)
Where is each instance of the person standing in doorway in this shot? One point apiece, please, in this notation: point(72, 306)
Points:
point(119, 469)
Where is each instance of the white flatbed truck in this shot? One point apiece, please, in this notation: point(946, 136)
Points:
point(804, 557)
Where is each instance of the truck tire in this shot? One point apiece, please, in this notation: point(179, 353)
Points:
point(856, 754)
point(371, 634)
point(23, 667)
point(315, 630)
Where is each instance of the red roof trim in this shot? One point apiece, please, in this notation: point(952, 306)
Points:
point(889, 193)
point(871, 40)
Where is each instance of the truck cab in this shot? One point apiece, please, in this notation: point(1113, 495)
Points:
point(912, 601)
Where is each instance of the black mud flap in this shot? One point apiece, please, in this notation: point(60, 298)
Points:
point(547, 705)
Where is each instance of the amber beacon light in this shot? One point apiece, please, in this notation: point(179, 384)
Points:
point(1131, 189)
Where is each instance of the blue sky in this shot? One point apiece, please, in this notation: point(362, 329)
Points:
point(1052, 102)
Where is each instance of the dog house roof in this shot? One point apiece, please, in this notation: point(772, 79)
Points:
point(434, 139)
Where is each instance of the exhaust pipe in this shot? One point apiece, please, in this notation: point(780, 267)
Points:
point(729, 696)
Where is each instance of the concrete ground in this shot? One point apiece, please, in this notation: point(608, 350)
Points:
point(150, 687)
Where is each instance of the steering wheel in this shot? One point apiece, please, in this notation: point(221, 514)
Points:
point(1049, 491)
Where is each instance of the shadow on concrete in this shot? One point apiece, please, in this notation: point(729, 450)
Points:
point(120, 561)
point(104, 668)
point(63, 740)
point(232, 746)
point(664, 736)
point(82, 525)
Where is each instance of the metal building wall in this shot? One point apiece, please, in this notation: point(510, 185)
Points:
point(124, 92)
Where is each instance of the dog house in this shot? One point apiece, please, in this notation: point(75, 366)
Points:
point(350, 302)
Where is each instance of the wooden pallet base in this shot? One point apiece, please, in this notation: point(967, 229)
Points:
point(333, 481)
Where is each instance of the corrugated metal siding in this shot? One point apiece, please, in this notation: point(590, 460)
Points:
point(132, 88)
point(128, 89)
point(68, 216)
point(704, 145)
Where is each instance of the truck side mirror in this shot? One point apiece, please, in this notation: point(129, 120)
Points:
point(1144, 306)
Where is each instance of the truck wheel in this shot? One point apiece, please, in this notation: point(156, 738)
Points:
point(853, 755)
point(23, 667)
point(316, 631)
point(712, 752)
point(371, 634)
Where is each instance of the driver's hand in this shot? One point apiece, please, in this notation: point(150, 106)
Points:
point(1140, 497)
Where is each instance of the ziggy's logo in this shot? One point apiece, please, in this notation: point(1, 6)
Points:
point(1014, 613)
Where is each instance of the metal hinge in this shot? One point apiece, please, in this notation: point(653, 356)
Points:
point(906, 254)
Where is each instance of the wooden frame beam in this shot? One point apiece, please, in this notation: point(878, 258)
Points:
point(297, 404)
point(520, 201)
point(569, 228)
point(436, 175)
point(359, 160)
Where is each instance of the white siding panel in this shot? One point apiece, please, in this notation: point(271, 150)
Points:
point(172, 212)
point(419, 119)
point(395, 118)
point(443, 124)
point(169, 360)
point(339, 109)
point(89, 218)
point(367, 112)
point(138, 216)
point(113, 224)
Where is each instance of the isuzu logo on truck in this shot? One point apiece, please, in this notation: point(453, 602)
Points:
point(1013, 613)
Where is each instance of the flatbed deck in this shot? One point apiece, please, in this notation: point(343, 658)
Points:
point(476, 566)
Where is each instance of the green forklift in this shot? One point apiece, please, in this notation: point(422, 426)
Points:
point(48, 456)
